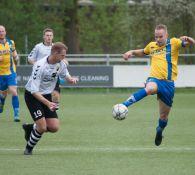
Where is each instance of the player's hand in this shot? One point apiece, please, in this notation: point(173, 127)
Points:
point(52, 106)
point(127, 55)
point(72, 80)
point(187, 40)
point(184, 38)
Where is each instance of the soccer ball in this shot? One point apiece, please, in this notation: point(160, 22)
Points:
point(119, 111)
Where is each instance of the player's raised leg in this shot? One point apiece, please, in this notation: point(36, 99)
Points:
point(151, 88)
point(135, 97)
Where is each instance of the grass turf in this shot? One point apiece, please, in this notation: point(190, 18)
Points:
point(91, 142)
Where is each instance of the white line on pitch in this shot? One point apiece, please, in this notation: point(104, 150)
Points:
point(108, 149)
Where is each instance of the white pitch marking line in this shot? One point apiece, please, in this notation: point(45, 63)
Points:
point(108, 149)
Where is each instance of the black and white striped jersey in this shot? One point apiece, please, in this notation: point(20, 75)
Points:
point(44, 76)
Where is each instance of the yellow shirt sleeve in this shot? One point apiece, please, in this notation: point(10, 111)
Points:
point(177, 42)
point(147, 49)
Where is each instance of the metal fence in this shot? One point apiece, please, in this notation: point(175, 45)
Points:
point(110, 59)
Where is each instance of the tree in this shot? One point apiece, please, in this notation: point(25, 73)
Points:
point(70, 24)
point(110, 26)
point(25, 21)
point(100, 28)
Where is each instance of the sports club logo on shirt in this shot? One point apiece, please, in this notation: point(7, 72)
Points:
point(51, 77)
point(3, 52)
point(158, 52)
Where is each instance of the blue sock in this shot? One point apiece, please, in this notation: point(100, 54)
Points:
point(15, 104)
point(135, 97)
point(162, 123)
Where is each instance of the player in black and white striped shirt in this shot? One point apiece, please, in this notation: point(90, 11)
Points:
point(40, 51)
point(38, 94)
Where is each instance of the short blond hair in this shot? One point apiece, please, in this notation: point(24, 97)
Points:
point(161, 26)
point(58, 47)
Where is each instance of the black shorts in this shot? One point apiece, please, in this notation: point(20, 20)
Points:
point(57, 87)
point(37, 109)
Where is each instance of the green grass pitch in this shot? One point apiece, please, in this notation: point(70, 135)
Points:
point(91, 142)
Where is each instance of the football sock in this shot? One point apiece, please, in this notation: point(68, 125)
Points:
point(15, 104)
point(135, 97)
point(34, 138)
point(162, 123)
point(2, 102)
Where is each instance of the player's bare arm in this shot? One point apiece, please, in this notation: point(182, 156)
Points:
point(15, 56)
point(187, 40)
point(130, 53)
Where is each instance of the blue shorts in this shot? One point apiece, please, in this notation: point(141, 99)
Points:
point(7, 80)
point(165, 91)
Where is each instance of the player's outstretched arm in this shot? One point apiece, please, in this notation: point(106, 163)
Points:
point(72, 80)
point(130, 53)
point(187, 40)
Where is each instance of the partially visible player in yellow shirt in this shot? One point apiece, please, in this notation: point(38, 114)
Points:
point(8, 59)
point(164, 53)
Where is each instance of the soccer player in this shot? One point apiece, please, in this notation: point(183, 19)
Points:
point(38, 94)
point(40, 51)
point(163, 72)
point(8, 59)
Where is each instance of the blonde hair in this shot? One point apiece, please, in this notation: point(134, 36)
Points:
point(58, 47)
point(161, 26)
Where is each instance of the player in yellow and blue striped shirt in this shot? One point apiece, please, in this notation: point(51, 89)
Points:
point(8, 57)
point(164, 53)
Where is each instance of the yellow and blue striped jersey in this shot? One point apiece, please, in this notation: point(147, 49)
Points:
point(7, 65)
point(164, 59)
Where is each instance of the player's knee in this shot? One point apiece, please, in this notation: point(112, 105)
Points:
point(14, 92)
point(151, 89)
point(53, 128)
point(164, 116)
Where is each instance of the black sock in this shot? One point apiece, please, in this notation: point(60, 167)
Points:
point(34, 138)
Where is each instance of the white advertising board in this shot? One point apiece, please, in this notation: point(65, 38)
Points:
point(135, 76)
